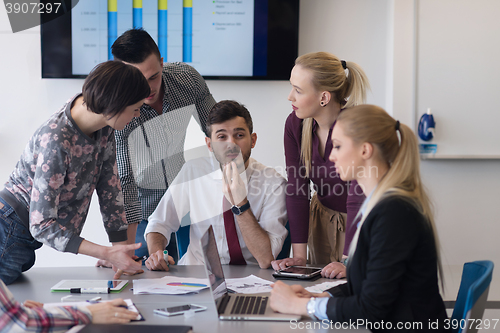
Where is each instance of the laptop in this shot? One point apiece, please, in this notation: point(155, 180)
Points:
point(234, 306)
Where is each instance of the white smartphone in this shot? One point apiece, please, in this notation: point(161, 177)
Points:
point(178, 310)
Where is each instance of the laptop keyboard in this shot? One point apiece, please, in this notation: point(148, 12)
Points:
point(247, 305)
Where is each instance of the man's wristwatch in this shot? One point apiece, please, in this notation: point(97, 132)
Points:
point(311, 308)
point(238, 210)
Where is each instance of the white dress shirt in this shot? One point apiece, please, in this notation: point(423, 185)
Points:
point(197, 190)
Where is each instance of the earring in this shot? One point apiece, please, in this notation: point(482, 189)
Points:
point(322, 103)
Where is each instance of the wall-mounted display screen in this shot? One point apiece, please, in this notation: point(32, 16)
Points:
point(222, 39)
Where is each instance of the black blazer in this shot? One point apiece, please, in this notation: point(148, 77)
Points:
point(392, 276)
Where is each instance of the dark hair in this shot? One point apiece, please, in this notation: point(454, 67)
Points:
point(227, 110)
point(111, 86)
point(134, 46)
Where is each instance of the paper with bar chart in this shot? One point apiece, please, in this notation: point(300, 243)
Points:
point(198, 32)
point(170, 285)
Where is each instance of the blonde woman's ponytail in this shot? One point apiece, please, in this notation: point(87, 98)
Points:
point(357, 85)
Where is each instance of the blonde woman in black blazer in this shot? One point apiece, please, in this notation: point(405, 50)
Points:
point(394, 260)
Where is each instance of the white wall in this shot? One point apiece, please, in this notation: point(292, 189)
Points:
point(465, 193)
point(375, 34)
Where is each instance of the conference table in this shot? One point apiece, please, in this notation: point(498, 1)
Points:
point(36, 284)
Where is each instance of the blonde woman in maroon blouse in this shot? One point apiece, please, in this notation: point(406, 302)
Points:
point(322, 86)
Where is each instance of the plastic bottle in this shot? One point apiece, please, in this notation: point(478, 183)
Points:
point(426, 126)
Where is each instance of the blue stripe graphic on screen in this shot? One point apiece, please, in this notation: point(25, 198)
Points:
point(187, 25)
point(112, 25)
point(137, 14)
point(162, 33)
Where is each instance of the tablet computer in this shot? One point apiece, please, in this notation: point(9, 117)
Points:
point(113, 286)
point(298, 272)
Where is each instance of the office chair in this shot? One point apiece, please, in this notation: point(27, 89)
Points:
point(182, 236)
point(472, 296)
point(285, 250)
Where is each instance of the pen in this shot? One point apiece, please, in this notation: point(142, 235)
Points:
point(165, 256)
point(94, 300)
point(89, 290)
point(141, 258)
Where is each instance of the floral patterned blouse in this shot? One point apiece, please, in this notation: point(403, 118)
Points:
point(56, 176)
point(15, 317)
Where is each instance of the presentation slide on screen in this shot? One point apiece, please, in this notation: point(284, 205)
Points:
point(214, 36)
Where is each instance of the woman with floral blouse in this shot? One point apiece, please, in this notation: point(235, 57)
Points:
point(47, 197)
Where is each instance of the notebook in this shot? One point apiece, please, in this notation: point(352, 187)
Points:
point(99, 286)
point(234, 306)
point(81, 302)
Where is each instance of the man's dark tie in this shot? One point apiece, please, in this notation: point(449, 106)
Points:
point(231, 235)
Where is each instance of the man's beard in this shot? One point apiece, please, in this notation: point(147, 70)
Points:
point(240, 159)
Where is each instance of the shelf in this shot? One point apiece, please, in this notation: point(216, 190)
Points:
point(458, 157)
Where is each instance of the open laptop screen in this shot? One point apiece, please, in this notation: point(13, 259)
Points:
point(213, 265)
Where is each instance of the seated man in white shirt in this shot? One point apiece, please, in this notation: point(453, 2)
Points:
point(252, 229)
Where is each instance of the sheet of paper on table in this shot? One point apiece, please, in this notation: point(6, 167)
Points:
point(169, 285)
point(319, 288)
point(249, 285)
